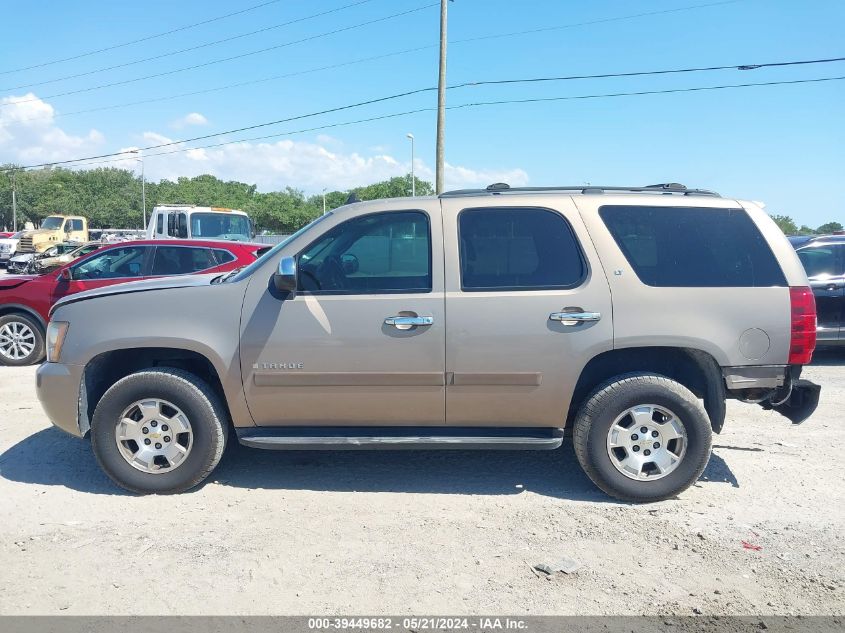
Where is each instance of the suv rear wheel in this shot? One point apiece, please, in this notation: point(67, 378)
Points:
point(21, 340)
point(642, 437)
point(159, 431)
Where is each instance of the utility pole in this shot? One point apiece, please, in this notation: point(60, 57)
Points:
point(441, 100)
point(324, 201)
point(143, 194)
point(14, 204)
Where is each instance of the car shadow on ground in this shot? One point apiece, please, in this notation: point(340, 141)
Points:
point(52, 458)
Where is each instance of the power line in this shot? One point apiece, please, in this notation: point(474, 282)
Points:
point(477, 104)
point(190, 48)
point(755, 66)
point(142, 39)
point(546, 29)
point(653, 72)
point(412, 50)
point(227, 59)
point(236, 85)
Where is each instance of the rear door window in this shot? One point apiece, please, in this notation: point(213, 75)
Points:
point(823, 261)
point(181, 260)
point(693, 247)
point(518, 249)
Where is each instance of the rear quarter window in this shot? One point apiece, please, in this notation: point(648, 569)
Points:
point(698, 247)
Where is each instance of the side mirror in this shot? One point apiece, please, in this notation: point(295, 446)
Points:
point(181, 226)
point(285, 277)
point(66, 274)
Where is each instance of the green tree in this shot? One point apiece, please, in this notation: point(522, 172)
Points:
point(786, 224)
point(830, 227)
point(111, 198)
point(805, 230)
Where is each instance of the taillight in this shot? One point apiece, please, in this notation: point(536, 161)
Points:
point(803, 338)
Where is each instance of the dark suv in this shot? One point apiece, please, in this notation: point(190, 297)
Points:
point(824, 260)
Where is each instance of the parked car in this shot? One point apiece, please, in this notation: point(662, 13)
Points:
point(824, 262)
point(8, 247)
point(62, 254)
point(20, 264)
point(25, 300)
point(477, 319)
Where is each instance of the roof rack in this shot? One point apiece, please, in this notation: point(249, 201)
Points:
point(501, 187)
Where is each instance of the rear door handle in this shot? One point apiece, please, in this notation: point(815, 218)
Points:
point(574, 318)
point(407, 322)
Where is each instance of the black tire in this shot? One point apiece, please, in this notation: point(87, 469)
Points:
point(610, 400)
point(186, 391)
point(37, 354)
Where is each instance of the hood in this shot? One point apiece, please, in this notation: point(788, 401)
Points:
point(147, 285)
point(37, 232)
point(13, 281)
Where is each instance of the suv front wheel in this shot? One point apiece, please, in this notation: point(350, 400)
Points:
point(642, 437)
point(159, 431)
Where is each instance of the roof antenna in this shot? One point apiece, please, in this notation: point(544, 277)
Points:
point(353, 198)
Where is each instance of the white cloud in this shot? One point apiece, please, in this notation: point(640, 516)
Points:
point(308, 165)
point(29, 134)
point(193, 118)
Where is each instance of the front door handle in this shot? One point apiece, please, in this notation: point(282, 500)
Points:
point(407, 322)
point(575, 318)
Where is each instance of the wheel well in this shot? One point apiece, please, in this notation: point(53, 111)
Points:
point(15, 309)
point(696, 370)
point(107, 368)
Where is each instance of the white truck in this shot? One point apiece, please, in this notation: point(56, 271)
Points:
point(185, 221)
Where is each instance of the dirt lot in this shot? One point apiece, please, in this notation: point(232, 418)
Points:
point(423, 533)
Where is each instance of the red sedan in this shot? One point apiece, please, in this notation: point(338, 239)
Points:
point(25, 300)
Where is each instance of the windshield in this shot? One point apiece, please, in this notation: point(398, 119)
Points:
point(246, 272)
point(53, 222)
point(225, 226)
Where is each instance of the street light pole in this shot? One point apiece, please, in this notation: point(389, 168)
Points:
point(143, 187)
point(14, 204)
point(441, 101)
point(324, 200)
point(143, 194)
point(413, 180)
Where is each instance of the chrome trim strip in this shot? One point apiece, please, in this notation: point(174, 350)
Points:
point(522, 379)
point(348, 379)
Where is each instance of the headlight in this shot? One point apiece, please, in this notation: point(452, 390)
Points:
point(56, 332)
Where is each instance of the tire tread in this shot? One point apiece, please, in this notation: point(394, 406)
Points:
point(179, 378)
point(596, 402)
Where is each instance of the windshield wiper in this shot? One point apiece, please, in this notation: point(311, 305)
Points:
point(225, 276)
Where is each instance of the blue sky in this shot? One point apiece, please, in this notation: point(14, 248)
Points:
point(782, 145)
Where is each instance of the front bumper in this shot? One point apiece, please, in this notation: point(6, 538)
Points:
point(57, 386)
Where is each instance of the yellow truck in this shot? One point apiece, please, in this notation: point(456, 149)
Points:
point(54, 229)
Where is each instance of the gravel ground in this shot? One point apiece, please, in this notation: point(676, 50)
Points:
point(425, 532)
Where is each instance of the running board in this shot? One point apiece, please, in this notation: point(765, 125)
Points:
point(398, 438)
